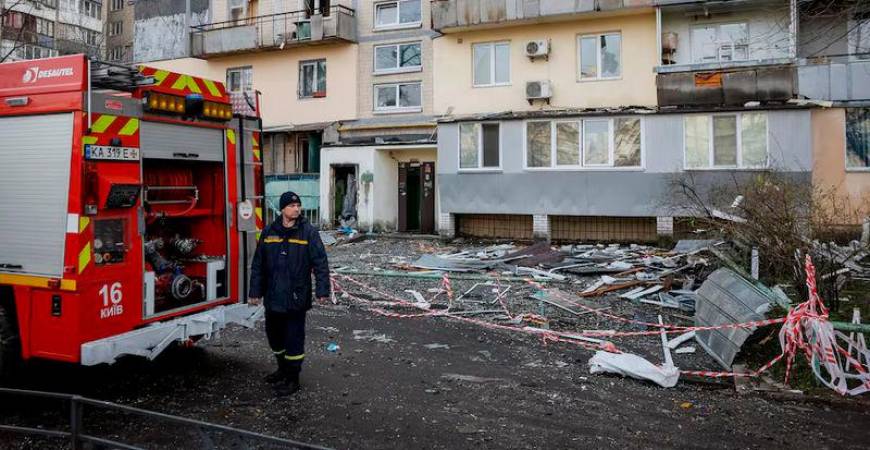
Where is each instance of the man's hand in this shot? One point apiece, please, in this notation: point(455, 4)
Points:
point(255, 301)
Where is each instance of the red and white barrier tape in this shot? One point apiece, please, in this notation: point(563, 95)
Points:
point(806, 328)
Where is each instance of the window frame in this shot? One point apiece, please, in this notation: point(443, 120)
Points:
point(316, 64)
point(579, 56)
point(398, 25)
point(398, 69)
point(492, 65)
point(396, 109)
point(711, 142)
point(846, 145)
point(718, 25)
point(479, 132)
point(581, 121)
point(120, 50)
point(116, 28)
point(117, 5)
point(855, 27)
point(241, 70)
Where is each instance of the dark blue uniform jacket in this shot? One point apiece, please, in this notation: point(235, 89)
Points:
point(283, 263)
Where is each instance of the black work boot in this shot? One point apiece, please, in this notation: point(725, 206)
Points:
point(280, 373)
point(289, 385)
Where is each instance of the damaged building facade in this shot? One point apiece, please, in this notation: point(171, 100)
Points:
point(345, 92)
point(571, 120)
point(390, 148)
point(297, 60)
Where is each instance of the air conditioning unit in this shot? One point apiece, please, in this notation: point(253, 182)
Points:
point(538, 90)
point(237, 6)
point(539, 48)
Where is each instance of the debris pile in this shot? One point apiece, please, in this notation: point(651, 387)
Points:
point(630, 304)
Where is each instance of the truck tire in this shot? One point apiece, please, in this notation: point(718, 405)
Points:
point(9, 343)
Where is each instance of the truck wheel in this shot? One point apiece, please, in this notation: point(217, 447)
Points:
point(9, 342)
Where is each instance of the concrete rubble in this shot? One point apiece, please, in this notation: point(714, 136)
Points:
point(627, 303)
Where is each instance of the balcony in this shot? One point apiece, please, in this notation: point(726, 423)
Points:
point(273, 32)
point(459, 15)
point(839, 78)
point(711, 56)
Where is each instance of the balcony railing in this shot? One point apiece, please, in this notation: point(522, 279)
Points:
point(733, 86)
point(273, 32)
point(457, 15)
point(839, 78)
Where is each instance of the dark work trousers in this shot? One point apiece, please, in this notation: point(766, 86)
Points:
point(286, 335)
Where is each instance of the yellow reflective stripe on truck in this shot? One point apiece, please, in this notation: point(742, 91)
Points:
point(102, 123)
point(130, 128)
point(84, 257)
point(34, 281)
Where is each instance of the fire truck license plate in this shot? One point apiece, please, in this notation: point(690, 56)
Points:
point(105, 152)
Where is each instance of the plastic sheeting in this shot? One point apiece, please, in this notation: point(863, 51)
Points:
point(629, 365)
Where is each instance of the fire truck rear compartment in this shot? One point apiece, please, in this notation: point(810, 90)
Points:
point(185, 242)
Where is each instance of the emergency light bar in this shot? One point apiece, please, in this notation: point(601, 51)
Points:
point(220, 111)
point(164, 102)
point(193, 105)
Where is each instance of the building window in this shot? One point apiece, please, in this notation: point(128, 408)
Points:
point(858, 138)
point(588, 143)
point(91, 8)
point(492, 64)
point(600, 56)
point(859, 36)
point(398, 58)
point(398, 97)
point(479, 146)
point(240, 79)
point(34, 52)
point(116, 28)
point(44, 27)
point(720, 42)
point(312, 79)
point(726, 141)
point(116, 54)
point(90, 37)
point(398, 14)
point(117, 5)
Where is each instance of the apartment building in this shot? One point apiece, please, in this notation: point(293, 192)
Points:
point(390, 146)
point(119, 24)
point(33, 29)
point(571, 120)
point(297, 60)
point(345, 92)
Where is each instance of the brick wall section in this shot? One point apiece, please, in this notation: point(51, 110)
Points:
point(447, 225)
point(665, 226)
point(541, 226)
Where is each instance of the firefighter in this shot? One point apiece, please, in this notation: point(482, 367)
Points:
point(287, 254)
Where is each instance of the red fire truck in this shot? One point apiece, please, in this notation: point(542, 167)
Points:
point(130, 200)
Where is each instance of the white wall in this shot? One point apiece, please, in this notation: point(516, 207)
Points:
point(380, 208)
point(363, 157)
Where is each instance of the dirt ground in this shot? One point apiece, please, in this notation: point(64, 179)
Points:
point(428, 383)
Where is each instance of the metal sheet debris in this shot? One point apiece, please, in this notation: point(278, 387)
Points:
point(725, 298)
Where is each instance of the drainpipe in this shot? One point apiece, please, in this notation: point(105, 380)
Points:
point(187, 48)
point(793, 29)
point(658, 35)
